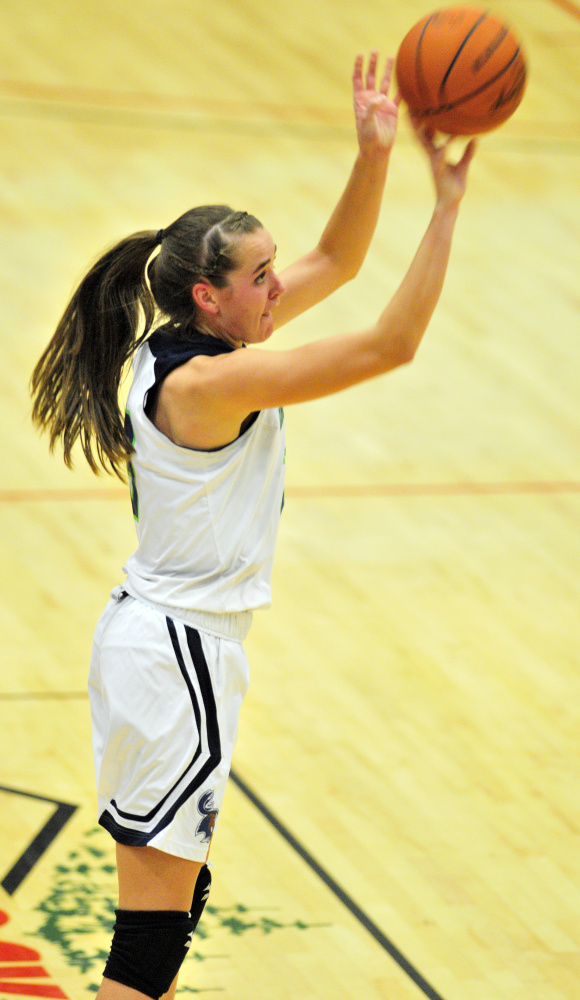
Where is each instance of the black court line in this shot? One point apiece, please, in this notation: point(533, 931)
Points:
point(39, 844)
point(338, 891)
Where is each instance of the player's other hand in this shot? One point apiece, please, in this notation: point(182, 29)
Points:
point(375, 113)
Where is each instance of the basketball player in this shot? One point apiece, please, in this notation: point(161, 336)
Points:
point(203, 439)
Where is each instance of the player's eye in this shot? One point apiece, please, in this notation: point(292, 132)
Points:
point(260, 279)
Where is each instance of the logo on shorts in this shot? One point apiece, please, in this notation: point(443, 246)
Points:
point(207, 808)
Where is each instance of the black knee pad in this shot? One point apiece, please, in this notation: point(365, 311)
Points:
point(148, 949)
point(200, 894)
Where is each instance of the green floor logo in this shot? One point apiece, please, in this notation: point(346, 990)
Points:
point(79, 913)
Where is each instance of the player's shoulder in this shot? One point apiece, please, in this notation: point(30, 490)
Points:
point(190, 372)
point(178, 353)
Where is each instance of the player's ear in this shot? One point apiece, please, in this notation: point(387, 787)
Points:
point(204, 297)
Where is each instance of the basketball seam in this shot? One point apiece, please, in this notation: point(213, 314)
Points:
point(459, 51)
point(467, 97)
point(421, 82)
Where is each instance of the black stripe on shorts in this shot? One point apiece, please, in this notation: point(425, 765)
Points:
point(135, 838)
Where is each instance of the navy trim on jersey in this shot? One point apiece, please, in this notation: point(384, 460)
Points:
point(134, 838)
point(170, 352)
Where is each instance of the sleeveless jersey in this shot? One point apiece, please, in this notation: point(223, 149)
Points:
point(206, 521)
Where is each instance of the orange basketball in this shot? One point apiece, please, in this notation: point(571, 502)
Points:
point(461, 70)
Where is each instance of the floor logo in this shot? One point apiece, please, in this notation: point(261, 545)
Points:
point(20, 965)
point(79, 912)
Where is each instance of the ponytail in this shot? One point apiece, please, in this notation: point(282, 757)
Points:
point(75, 385)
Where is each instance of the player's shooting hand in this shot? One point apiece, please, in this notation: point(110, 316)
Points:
point(375, 113)
point(450, 178)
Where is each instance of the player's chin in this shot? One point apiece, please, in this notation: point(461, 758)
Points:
point(266, 326)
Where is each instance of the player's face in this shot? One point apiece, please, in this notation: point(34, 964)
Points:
point(253, 290)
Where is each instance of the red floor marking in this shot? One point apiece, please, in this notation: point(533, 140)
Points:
point(17, 952)
point(10, 952)
point(33, 990)
point(23, 972)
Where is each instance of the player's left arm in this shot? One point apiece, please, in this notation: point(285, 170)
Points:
point(344, 243)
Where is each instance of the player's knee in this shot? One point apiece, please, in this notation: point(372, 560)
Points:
point(149, 946)
point(148, 949)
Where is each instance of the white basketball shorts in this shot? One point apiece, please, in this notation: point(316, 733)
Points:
point(165, 699)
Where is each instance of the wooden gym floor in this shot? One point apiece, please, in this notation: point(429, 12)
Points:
point(404, 818)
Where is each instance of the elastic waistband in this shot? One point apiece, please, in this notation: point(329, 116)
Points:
point(228, 625)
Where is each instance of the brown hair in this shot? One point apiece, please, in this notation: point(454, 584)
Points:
point(75, 385)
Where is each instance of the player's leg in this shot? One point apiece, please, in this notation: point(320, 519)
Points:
point(200, 897)
point(204, 681)
point(153, 923)
point(154, 880)
point(170, 995)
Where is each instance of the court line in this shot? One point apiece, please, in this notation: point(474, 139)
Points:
point(42, 696)
point(39, 844)
point(110, 108)
point(534, 137)
point(339, 491)
point(194, 123)
point(15, 93)
point(94, 98)
point(568, 6)
point(430, 489)
point(338, 891)
point(64, 810)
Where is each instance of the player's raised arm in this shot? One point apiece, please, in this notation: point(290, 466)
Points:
point(344, 243)
point(205, 401)
point(214, 277)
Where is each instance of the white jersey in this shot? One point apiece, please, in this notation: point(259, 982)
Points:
point(207, 521)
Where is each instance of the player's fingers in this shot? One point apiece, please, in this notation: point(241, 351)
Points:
point(417, 123)
point(372, 70)
point(386, 81)
point(419, 130)
point(357, 72)
point(468, 153)
point(425, 132)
